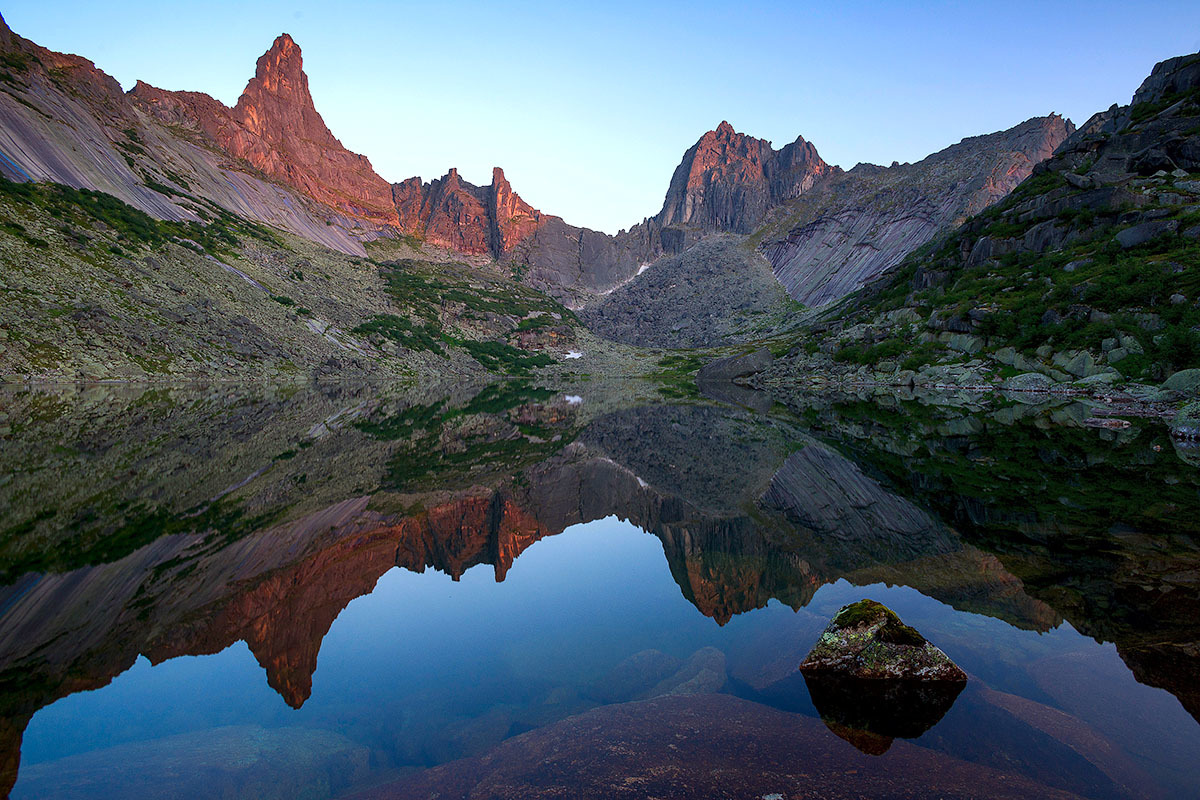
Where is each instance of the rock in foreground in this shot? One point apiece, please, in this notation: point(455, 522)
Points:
point(867, 640)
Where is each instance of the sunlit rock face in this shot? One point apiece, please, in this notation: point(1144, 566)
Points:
point(276, 127)
point(478, 220)
point(728, 181)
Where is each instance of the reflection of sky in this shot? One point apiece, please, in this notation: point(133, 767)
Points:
point(572, 606)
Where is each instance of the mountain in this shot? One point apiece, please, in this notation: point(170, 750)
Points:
point(573, 264)
point(858, 224)
point(270, 159)
point(1088, 273)
point(814, 230)
point(275, 128)
point(728, 181)
point(63, 120)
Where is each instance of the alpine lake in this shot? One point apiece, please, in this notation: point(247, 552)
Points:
point(601, 590)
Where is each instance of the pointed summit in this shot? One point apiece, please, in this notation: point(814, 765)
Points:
point(283, 64)
point(728, 181)
point(275, 126)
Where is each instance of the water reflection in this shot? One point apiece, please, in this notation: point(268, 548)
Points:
point(178, 523)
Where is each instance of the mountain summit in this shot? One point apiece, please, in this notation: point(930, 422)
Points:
point(728, 181)
point(276, 128)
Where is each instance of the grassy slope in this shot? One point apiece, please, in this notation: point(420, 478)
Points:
point(94, 289)
point(1131, 310)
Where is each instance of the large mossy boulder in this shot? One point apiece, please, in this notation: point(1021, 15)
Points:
point(1186, 381)
point(867, 640)
point(734, 367)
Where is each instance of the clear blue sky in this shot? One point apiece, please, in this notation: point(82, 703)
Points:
point(589, 108)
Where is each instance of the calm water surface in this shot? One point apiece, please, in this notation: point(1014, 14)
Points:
point(353, 592)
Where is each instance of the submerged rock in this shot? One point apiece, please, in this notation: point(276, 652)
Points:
point(867, 640)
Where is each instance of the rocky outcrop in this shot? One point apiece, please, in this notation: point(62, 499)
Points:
point(867, 640)
point(275, 128)
point(728, 181)
point(1169, 79)
point(65, 121)
point(731, 368)
point(855, 226)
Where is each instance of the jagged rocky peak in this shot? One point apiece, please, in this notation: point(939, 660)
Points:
point(478, 220)
point(276, 128)
point(728, 181)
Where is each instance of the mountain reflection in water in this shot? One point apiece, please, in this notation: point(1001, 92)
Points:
point(180, 522)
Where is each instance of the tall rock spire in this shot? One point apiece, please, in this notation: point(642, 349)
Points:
point(275, 126)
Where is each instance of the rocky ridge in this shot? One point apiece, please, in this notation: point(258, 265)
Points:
point(1082, 280)
point(856, 225)
point(270, 159)
point(276, 129)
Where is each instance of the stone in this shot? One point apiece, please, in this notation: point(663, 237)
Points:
point(965, 343)
point(1186, 380)
point(1131, 344)
point(1100, 378)
point(867, 640)
point(1186, 424)
point(707, 746)
point(1081, 365)
point(633, 677)
point(1144, 232)
point(1028, 382)
point(732, 367)
point(1177, 299)
point(702, 673)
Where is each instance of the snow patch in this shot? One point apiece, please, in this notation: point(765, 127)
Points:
point(573, 354)
point(573, 399)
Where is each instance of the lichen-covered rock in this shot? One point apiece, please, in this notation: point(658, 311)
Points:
point(1186, 424)
point(1186, 381)
point(867, 640)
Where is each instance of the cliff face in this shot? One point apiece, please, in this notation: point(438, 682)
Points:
point(728, 181)
point(63, 120)
point(478, 220)
point(276, 128)
point(270, 159)
point(857, 225)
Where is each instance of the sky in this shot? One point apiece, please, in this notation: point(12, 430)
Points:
point(590, 107)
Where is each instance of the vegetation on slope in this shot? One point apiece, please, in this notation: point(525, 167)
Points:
point(1089, 270)
point(95, 289)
